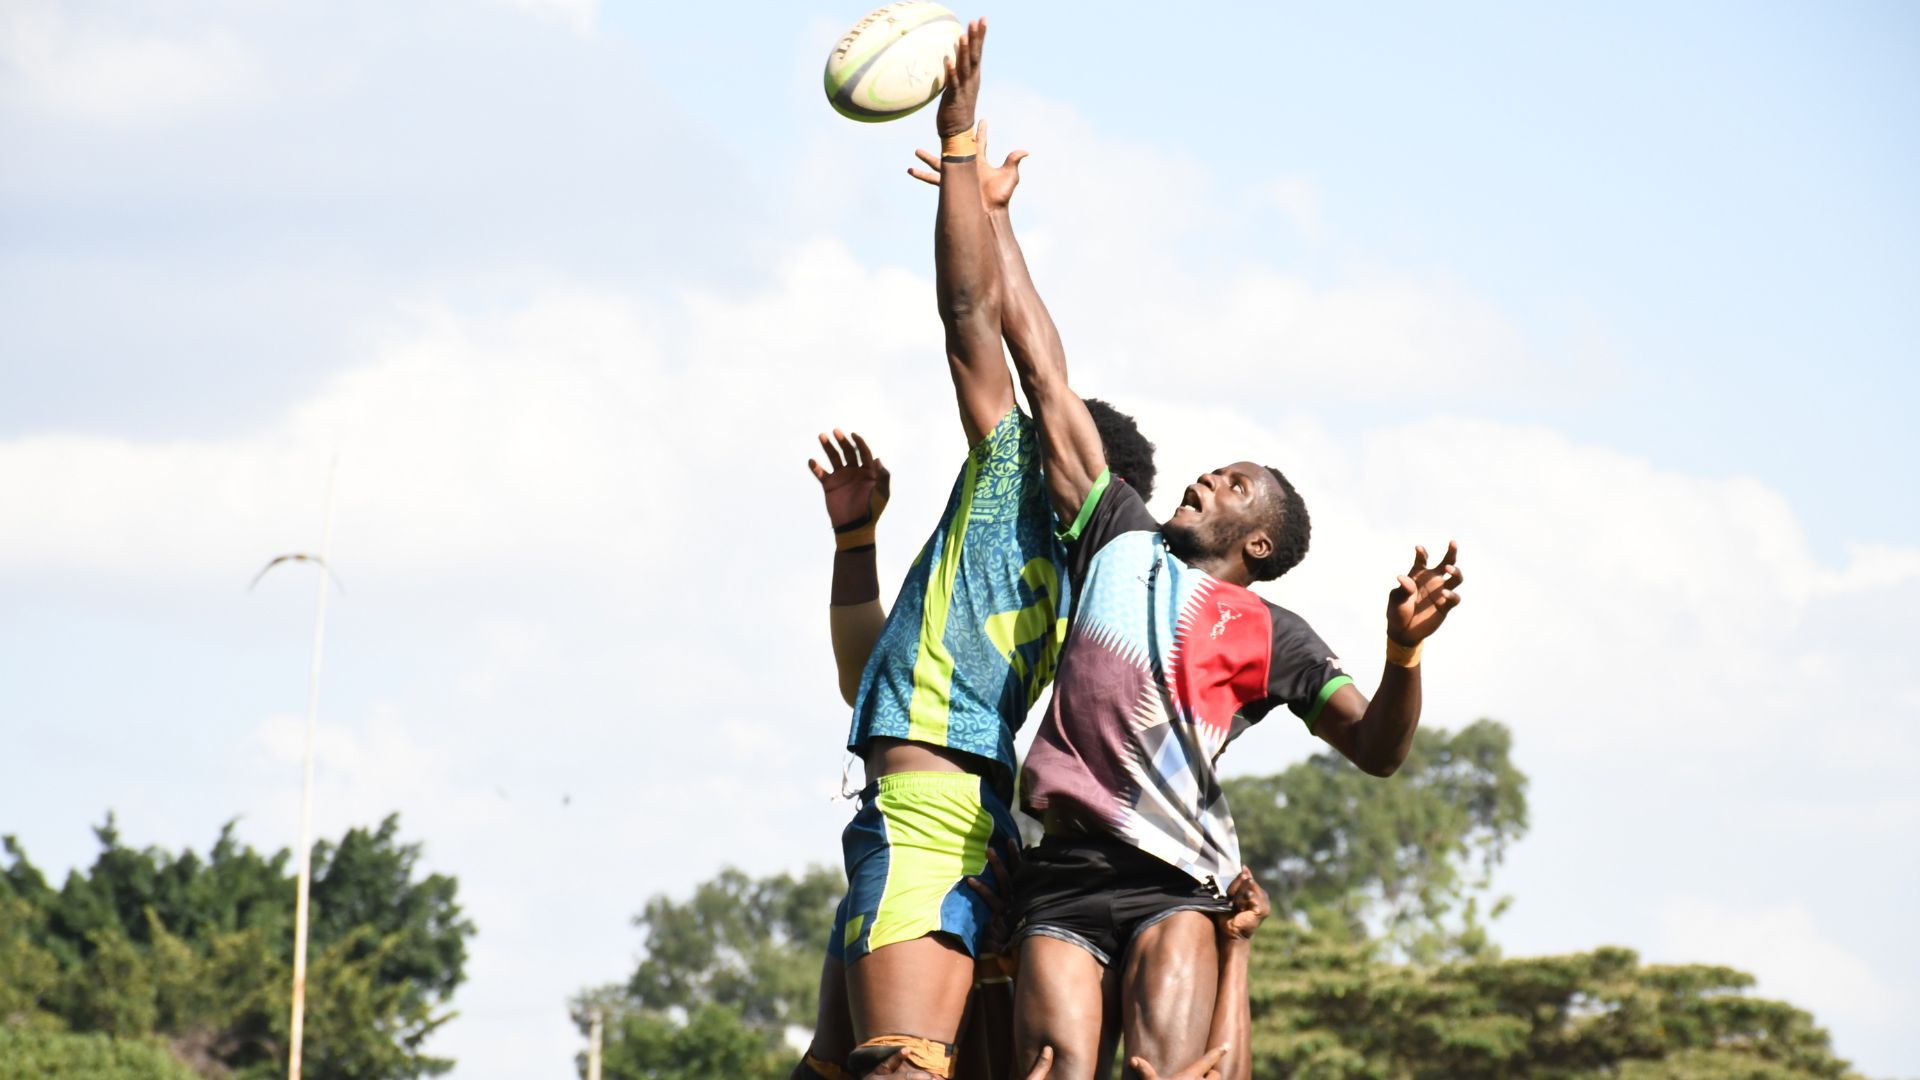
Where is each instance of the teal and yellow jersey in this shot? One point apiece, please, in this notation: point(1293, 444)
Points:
point(973, 637)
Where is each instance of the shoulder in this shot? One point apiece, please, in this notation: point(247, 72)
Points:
point(1111, 507)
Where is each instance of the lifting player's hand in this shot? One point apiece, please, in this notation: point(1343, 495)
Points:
point(955, 114)
point(996, 959)
point(855, 484)
point(1204, 1069)
point(1425, 594)
point(1250, 907)
point(996, 183)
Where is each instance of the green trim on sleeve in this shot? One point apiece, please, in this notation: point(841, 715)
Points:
point(1320, 700)
point(1072, 532)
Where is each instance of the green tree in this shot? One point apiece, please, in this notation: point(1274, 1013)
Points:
point(198, 952)
point(1347, 852)
point(1325, 1009)
point(36, 1055)
point(727, 973)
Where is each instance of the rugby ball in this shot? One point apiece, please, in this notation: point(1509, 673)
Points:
point(892, 61)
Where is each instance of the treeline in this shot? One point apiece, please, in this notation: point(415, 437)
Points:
point(150, 964)
point(1375, 966)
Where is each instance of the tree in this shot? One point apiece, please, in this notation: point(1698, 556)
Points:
point(1347, 852)
point(198, 952)
point(36, 1055)
point(1325, 1009)
point(726, 974)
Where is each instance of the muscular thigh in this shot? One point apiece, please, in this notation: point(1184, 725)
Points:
point(916, 987)
point(1167, 991)
point(1064, 998)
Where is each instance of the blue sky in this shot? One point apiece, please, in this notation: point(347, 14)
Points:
point(1621, 297)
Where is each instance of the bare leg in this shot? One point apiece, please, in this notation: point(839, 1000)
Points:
point(1167, 991)
point(833, 1023)
point(916, 987)
point(1061, 1000)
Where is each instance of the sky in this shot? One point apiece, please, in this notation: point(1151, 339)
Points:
point(1621, 297)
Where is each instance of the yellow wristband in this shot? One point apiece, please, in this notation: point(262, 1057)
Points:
point(859, 537)
point(1403, 655)
point(959, 146)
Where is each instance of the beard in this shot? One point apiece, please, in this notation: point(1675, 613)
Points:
point(1190, 543)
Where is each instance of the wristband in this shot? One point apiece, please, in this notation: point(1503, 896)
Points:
point(959, 146)
point(1407, 656)
point(857, 535)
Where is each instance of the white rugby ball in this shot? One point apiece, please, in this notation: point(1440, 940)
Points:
point(892, 61)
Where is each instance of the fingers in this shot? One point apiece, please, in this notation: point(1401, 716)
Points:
point(930, 174)
point(834, 460)
point(866, 452)
point(849, 455)
point(980, 134)
point(1211, 1059)
point(978, 44)
point(1144, 1068)
point(1044, 1066)
point(819, 473)
point(1419, 560)
point(1000, 875)
point(980, 889)
point(1013, 160)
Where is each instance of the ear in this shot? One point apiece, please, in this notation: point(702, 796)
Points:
point(1258, 546)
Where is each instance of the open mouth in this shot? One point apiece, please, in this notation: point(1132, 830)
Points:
point(1190, 499)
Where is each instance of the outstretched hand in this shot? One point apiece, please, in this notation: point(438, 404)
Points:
point(996, 182)
point(1423, 596)
point(856, 485)
point(955, 114)
point(1204, 1069)
point(1250, 907)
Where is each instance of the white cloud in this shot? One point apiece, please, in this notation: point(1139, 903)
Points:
point(579, 14)
point(1299, 200)
point(1785, 948)
point(102, 71)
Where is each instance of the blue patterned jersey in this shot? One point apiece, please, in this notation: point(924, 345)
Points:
point(973, 636)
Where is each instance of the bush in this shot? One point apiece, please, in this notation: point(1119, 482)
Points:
point(40, 1055)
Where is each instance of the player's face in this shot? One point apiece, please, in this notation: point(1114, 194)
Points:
point(1219, 511)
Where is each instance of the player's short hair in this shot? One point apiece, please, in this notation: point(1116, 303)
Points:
point(1286, 521)
point(1129, 454)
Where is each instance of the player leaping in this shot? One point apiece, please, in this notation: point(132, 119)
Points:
point(1169, 658)
point(969, 646)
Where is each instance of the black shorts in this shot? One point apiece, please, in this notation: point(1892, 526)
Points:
point(1098, 893)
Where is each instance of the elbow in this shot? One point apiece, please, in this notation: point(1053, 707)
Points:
point(1382, 765)
point(1381, 769)
point(850, 690)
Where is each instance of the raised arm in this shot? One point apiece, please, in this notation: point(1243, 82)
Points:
point(966, 267)
point(856, 487)
point(1075, 457)
point(1377, 735)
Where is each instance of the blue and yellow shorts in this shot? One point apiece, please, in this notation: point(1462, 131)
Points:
point(911, 846)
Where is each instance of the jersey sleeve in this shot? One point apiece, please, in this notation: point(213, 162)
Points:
point(1302, 672)
point(1112, 508)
